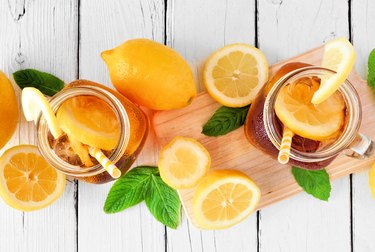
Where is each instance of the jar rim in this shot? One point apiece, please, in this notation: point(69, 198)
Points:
point(55, 102)
point(354, 114)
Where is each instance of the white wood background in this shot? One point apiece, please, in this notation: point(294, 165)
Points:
point(65, 37)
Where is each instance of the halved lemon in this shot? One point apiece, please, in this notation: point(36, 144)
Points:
point(183, 162)
point(224, 198)
point(27, 181)
point(371, 180)
point(234, 74)
point(339, 56)
point(90, 121)
point(316, 122)
point(34, 103)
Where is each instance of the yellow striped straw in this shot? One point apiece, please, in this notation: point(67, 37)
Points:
point(285, 145)
point(105, 162)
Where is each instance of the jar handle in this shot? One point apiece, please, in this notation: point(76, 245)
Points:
point(361, 148)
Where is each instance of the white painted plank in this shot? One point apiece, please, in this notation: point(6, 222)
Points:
point(363, 36)
point(303, 223)
point(105, 25)
point(41, 35)
point(196, 29)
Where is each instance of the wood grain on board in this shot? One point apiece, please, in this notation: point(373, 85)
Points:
point(233, 151)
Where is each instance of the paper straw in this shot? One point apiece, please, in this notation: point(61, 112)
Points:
point(105, 162)
point(285, 145)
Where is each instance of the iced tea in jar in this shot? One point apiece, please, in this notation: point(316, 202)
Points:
point(91, 114)
point(321, 131)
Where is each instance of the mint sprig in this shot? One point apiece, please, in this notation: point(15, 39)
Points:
point(225, 120)
point(314, 182)
point(47, 83)
point(371, 70)
point(144, 183)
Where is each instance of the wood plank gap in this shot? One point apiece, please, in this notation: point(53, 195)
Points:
point(76, 185)
point(78, 36)
point(350, 19)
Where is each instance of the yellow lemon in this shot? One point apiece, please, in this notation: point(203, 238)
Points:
point(224, 198)
point(27, 181)
point(371, 180)
point(8, 110)
point(150, 74)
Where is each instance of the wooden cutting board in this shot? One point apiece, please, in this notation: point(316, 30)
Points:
point(233, 151)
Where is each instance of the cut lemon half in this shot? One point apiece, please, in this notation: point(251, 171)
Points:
point(183, 162)
point(224, 198)
point(316, 122)
point(34, 103)
point(234, 74)
point(27, 181)
point(371, 180)
point(339, 56)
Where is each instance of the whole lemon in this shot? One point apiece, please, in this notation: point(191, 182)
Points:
point(150, 74)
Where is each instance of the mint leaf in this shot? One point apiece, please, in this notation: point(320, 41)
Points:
point(128, 190)
point(163, 202)
point(225, 120)
point(45, 82)
point(371, 70)
point(314, 182)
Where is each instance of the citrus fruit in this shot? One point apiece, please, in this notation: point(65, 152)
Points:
point(90, 121)
point(339, 56)
point(34, 103)
point(224, 198)
point(8, 110)
point(316, 122)
point(27, 181)
point(234, 74)
point(183, 162)
point(150, 74)
point(371, 180)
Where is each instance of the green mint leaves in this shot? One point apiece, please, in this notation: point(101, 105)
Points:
point(314, 182)
point(45, 82)
point(225, 120)
point(371, 70)
point(144, 183)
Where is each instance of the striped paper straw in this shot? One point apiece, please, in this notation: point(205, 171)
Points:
point(285, 145)
point(105, 162)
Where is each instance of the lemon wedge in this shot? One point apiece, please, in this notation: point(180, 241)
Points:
point(371, 180)
point(27, 181)
point(34, 103)
point(224, 198)
point(339, 56)
point(234, 74)
point(183, 162)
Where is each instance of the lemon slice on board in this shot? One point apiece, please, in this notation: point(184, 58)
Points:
point(34, 103)
point(316, 122)
point(183, 162)
point(27, 181)
point(339, 56)
point(224, 198)
point(234, 74)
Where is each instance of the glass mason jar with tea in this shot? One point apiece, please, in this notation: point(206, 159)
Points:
point(92, 114)
point(264, 129)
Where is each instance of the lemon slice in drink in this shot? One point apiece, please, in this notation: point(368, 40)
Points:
point(183, 162)
point(224, 198)
point(34, 103)
point(27, 181)
point(316, 122)
point(234, 74)
point(339, 56)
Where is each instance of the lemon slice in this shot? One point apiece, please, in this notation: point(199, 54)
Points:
point(371, 180)
point(339, 56)
point(27, 181)
point(316, 122)
point(34, 103)
point(234, 74)
point(183, 162)
point(224, 198)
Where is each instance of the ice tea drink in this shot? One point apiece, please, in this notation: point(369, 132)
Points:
point(92, 115)
point(332, 125)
